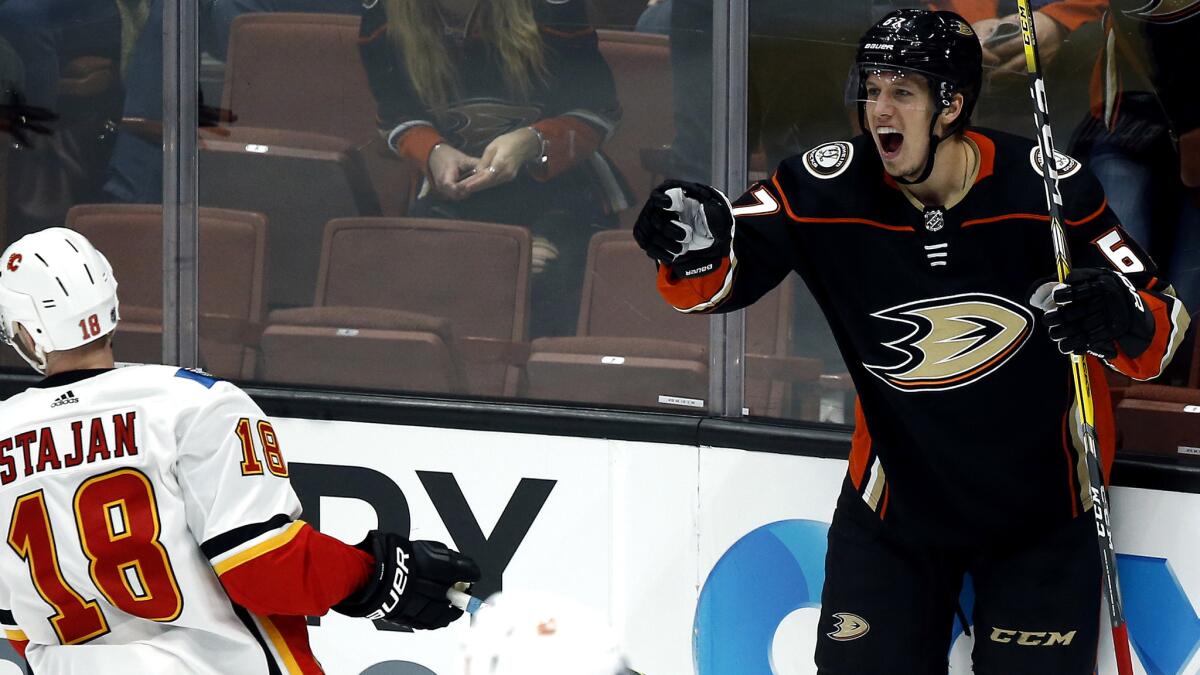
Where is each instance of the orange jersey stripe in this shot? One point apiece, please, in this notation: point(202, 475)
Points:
point(860, 447)
point(1149, 363)
point(987, 154)
point(862, 221)
point(1007, 216)
point(1089, 218)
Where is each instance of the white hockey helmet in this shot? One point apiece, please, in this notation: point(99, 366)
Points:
point(60, 288)
point(538, 634)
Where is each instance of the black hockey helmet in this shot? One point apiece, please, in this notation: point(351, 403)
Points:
point(941, 46)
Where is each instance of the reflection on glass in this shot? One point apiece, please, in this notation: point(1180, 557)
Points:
point(66, 71)
point(505, 106)
point(441, 182)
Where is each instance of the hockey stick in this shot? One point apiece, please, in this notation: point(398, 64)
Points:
point(1083, 388)
point(460, 598)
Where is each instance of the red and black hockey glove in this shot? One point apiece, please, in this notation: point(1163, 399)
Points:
point(409, 583)
point(688, 226)
point(1096, 311)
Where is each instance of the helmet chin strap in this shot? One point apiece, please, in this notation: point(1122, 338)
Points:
point(934, 140)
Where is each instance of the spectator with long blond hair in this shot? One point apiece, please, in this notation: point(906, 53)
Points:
point(505, 105)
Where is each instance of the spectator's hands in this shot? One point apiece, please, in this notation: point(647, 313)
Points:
point(503, 158)
point(19, 120)
point(1008, 57)
point(449, 169)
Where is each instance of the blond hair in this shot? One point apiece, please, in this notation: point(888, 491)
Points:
point(414, 27)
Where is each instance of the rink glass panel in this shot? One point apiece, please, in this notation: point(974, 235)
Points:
point(91, 77)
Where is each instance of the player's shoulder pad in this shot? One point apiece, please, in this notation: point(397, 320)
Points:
point(198, 376)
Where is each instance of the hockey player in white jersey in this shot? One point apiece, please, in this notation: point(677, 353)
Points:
point(151, 526)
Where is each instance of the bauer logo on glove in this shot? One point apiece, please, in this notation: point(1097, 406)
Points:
point(687, 226)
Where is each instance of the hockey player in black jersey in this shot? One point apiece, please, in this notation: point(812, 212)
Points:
point(927, 245)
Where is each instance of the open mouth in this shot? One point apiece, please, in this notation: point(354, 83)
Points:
point(890, 141)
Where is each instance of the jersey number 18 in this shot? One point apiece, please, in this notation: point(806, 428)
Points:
point(116, 517)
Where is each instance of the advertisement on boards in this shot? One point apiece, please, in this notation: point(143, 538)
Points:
point(703, 560)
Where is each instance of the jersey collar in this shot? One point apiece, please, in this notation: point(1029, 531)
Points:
point(69, 377)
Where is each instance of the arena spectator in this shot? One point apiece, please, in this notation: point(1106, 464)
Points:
point(505, 104)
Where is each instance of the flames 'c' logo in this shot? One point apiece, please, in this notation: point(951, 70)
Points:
point(953, 341)
point(14, 262)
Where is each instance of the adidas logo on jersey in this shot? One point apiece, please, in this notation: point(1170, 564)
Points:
point(66, 398)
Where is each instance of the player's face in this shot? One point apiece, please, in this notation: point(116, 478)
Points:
point(898, 109)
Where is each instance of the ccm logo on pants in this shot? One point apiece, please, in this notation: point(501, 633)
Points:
point(1032, 638)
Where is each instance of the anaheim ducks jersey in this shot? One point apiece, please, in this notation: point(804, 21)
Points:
point(120, 492)
point(964, 424)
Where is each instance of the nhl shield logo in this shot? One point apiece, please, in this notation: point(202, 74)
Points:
point(829, 160)
point(935, 219)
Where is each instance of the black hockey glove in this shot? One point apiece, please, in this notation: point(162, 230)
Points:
point(409, 583)
point(687, 226)
point(1095, 311)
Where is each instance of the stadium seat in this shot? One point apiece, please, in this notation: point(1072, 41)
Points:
point(641, 67)
point(231, 272)
point(631, 348)
point(1157, 419)
point(409, 304)
point(300, 144)
point(621, 14)
point(1160, 420)
point(303, 72)
point(299, 181)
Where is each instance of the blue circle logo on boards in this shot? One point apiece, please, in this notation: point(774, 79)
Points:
point(779, 568)
point(765, 576)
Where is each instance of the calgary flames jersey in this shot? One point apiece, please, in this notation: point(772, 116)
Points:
point(964, 424)
point(124, 494)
